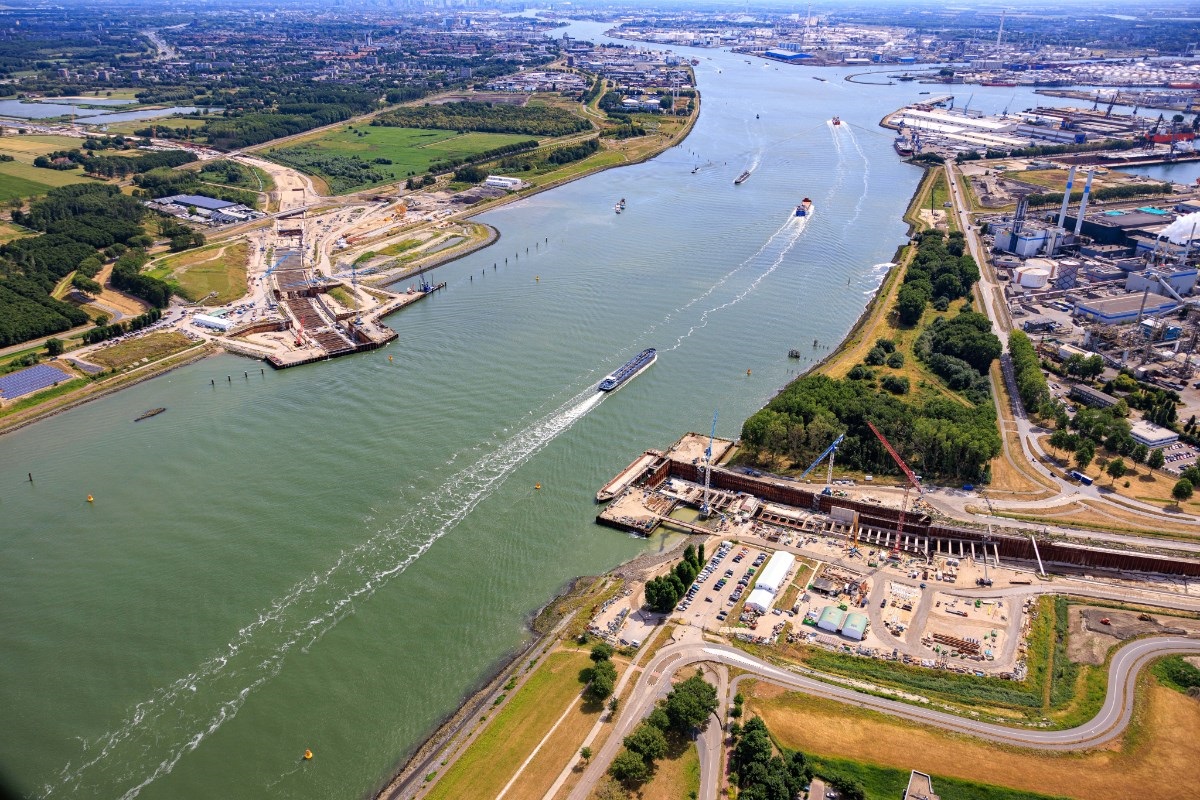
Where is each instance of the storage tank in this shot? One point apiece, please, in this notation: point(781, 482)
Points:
point(1032, 277)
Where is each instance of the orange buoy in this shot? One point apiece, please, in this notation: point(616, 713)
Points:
point(308, 755)
point(90, 498)
point(389, 359)
point(537, 486)
point(747, 372)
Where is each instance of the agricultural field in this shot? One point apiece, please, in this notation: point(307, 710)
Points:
point(198, 273)
point(355, 157)
point(19, 178)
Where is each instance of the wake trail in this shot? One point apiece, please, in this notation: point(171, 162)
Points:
point(866, 174)
point(797, 225)
point(178, 717)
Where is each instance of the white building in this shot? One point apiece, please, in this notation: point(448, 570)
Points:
point(1151, 435)
point(773, 574)
point(216, 323)
point(504, 182)
point(760, 600)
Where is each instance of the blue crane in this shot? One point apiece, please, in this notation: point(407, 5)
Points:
point(704, 509)
point(829, 451)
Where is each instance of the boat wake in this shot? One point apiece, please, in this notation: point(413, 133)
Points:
point(865, 172)
point(162, 729)
point(794, 232)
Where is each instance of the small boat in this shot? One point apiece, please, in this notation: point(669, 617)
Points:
point(756, 116)
point(154, 412)
point(740, 179)
point(836, 120)
point(815, 78)
point(922, 92)
point(804, 209)
point(695, 170)
point(631, 369)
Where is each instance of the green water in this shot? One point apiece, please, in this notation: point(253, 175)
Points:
point(331, 557)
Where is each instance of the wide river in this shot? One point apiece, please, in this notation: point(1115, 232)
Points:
point(331, 557)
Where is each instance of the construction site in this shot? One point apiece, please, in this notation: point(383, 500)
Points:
point(862, 571)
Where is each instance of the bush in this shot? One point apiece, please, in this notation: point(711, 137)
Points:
point(896, 384)
point(895, 360)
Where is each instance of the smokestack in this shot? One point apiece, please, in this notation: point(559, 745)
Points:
point(1187, 247)
point(1087, 190)
point(1062, 214)
point(1019, 217)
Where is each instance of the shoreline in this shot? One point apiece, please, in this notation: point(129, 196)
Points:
point(450, 737)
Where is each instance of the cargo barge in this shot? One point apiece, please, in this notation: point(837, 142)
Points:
point(631, 369)
point(740, 179)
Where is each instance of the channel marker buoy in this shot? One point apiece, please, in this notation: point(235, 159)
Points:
point(91, 499)
point(537, 486)
point(308, 755)
point(747, 372)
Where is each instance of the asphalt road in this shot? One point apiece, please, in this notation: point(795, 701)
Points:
point(1107, 725)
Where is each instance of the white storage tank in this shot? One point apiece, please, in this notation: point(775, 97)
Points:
point(1032, 277)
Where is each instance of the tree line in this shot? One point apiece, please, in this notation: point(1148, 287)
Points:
point(1027, 371)
point(487, 118)
point(103, 332)
point(941, 271)
point(1104, 193)
point(664, 592)
point(113, 166)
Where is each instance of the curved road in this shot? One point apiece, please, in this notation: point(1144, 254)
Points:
point(1108, 724)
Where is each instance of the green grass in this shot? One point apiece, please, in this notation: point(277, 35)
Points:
point(399, 247)
point(411, 151)
point(1176, 672)
point(196, 273)
point(489, 762)
point(886, 783)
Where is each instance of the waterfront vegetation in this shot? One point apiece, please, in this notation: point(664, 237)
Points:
point(527, 120)
point(138, 350)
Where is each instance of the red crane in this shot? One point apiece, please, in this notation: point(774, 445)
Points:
point(912, 483)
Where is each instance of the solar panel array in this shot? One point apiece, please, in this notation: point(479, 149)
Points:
point(30, 380)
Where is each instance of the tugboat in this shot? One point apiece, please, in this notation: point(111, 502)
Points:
point(804, 209)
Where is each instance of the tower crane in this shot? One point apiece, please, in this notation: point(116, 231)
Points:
point(830, 451)
point(912, 483)
point(704, 509)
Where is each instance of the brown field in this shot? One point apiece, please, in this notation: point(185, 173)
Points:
point(150, 347)
point(674, 776)
point(1159, 748)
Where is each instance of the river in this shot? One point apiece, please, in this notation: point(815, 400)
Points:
point(331, 557)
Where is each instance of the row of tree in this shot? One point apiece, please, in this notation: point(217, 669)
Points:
point(760, 774)
point(685, 712)
point(127, 276)
point(1123, 192)
point(103, 332)
point(664, 593)
point(575, 152)
point(1027, 371)
point(960, 351)
point(114, 166)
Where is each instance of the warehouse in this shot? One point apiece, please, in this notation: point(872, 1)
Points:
point(216, 323)
point(855, 626)
point(760, 601)
point(774, 573)
point(1118, 310)
point(831, 619)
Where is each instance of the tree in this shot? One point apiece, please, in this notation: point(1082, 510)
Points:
point(1062, 439)
point(1084, 453)
point(1139, 454)
point(585, 753)
point(690, 704)
point(648, 742)
point(603, 680)
point(1156, 459)
point(601, 651)
point(1182, 491)
point(54, 346)
point(910, 303)
point(630, 769)
point(1116, 469)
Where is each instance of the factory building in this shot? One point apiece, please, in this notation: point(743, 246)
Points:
point(1120, 310)
point(1151, 435)
point(1182, 281)
point(855, 626)
point(503, 182)
point(1091, 397)
point(1118, 227)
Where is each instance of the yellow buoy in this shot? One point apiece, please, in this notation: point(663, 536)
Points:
point(537, 486)
point(308, 755)
point(537, 278)
point(90, 499)
point(389, 359)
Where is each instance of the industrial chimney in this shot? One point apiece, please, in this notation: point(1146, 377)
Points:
point(1062, 214)
point(1087, 190)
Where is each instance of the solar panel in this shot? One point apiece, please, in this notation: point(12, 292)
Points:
point(30, 380)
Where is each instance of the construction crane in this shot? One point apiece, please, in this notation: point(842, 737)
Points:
point(704, 509)
point(912, 483)
point(830, 451)
point(1113, 102)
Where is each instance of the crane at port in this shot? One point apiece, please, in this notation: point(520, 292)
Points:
point(830, 451)
point(913, 482)
point(704, 509)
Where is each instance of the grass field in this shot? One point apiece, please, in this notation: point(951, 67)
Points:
point(888, 782)
point(494, 756)
point(217, 268)
point(150, 347)
point(411, 151)
point(36, 145)
point(1155, 752)
point(677, 776)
